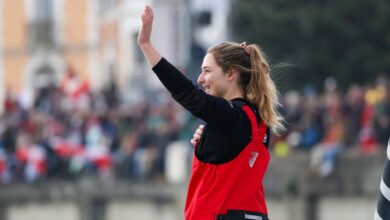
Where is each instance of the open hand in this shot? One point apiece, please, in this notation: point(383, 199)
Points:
point(146, 28)
point(198, 133)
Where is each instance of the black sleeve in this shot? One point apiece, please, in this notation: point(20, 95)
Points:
point(209, 108)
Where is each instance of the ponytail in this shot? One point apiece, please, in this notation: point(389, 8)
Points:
point(261, 90)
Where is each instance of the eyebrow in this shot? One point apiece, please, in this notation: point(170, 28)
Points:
point(206, 67)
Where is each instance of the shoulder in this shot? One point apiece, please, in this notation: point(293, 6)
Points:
point(243, 102)
point(239, 102)
point(245, 119)
point(243, 116)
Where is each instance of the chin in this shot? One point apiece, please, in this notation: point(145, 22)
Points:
point(209, 92)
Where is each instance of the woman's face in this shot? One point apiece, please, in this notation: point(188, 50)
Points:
point(212, 79)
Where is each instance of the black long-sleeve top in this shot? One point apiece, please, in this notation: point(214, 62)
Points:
point(227, 130)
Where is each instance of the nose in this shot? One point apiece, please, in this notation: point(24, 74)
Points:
point(200, 78)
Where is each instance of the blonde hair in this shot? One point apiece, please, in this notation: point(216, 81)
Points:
point(254, 78)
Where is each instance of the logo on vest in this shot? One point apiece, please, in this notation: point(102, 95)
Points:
point(252, 158)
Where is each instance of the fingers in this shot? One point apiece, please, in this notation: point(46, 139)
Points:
point(199, 131)
point(197, 134)
point(147, 16)
point(146, 27)
point(149, 11)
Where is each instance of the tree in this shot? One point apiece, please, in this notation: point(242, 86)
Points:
point(349, 39)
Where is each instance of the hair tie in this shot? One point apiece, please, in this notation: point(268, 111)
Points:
point(246, 48)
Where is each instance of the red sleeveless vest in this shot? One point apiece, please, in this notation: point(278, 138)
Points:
point(236, 185)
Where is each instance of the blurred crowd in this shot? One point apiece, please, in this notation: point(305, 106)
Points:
point(332, 122)
point(67, 131)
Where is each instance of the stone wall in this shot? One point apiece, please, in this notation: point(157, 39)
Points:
point(350, 193)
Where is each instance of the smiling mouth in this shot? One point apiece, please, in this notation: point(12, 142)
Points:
point(206, 88)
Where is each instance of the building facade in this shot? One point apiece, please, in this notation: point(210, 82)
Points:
point(40, 40)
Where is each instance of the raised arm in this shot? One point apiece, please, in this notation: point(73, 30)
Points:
point(151, 54)
point(204, 106)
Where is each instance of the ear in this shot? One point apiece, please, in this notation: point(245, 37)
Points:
point(232, 74)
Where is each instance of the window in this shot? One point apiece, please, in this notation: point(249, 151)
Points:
point(41, 23)
point(43, 10)
point(106, 5)
point(204, 18)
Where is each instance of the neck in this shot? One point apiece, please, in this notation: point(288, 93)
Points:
point(233, 94)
